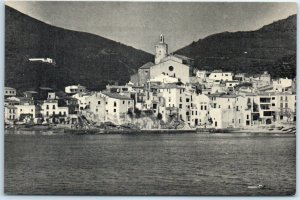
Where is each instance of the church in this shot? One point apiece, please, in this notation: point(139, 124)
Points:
point(169, 65)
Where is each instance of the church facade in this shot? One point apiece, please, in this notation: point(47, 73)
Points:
point(175, 66)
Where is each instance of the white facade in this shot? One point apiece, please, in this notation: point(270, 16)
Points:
point(72, 89)
point(171, 68)
point(82, 100)
point(9, 91)
point(221, 76)
point(25, 109)
point(50, 108)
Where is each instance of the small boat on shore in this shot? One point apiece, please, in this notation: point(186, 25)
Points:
point(256, 186)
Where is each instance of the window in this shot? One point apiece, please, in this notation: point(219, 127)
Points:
point(53, 113)
point(232, 120)
point(180, 105)
point(47, 107)
point(286, 98)
point(201, 108)
point(21, 110)
point(115, 110)
point(286, 105)
point(99, 102)
point(187, 100)
point(180, 99)
point(228, 107)
point(65, 113)
point(123, 102)
point(171, 68)
point(96, 110)
point(59, 113)
point(196, 113)
point(115, 104)
point(53, 107)
point(205, 107)
point(273, 104)
point(247, 116)
point(281, 105)
point(128, 102)
point(273, 98)
point(169, 99)
point(31, 110)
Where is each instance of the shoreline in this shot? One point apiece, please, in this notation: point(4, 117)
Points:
point(98, 131)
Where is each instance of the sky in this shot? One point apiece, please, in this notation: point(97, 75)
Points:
point(139, 24)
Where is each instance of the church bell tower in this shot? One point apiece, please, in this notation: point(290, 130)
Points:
point(161, 49)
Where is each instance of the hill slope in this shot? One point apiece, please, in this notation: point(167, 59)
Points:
point(80, 57)
point(271, 48)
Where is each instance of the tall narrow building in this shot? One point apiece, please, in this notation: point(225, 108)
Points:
point(161, 50)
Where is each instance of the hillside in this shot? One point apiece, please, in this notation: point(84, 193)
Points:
point(80, 57)
point(271, 48)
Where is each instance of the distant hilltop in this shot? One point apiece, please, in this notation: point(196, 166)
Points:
point(79, 57)
point(271, 48)
point(95, 61)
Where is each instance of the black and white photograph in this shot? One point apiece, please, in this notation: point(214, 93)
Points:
point(110, 98)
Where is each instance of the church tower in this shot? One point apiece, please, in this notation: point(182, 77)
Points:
point(161, 49)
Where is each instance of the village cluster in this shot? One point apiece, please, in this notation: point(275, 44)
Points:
point(167, 92)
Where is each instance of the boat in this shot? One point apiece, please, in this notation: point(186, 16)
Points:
point(256, 186)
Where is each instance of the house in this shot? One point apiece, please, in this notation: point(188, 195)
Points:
point(230, 85)
point(117, 107)
point(9, 92)
point(97, 107)
point(31, 94)
point(229, 111)
point(25, 111)
point(10, 113)
point(282, 84)
point(73, 89)
point(266, 103)
point(285, 107)
point(82, 99)
point(219, 75)
point(200, 111)
point(50, 108)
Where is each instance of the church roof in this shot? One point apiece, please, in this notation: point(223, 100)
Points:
point(147, 65)
point(182, 57)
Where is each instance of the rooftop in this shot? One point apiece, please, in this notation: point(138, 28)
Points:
point(166, 86)
point(116, 96)
point(147, 65)
point(9, 88)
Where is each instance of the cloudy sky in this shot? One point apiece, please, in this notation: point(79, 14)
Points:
point(139, 24)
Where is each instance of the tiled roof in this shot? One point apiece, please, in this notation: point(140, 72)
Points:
point(31, 91)
point(147, 65)
point(182, 57)
point(9, 88)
